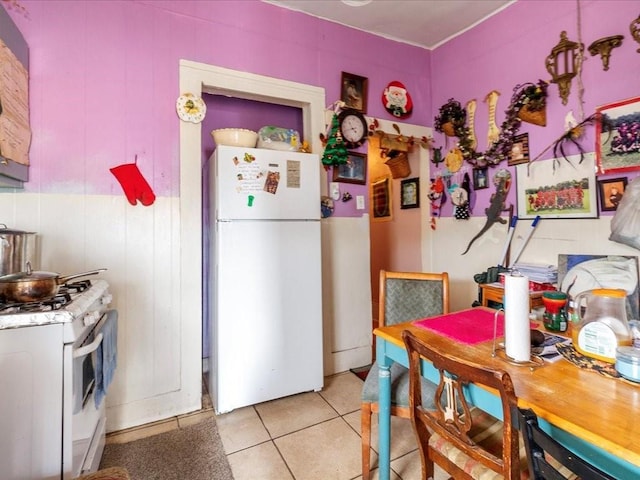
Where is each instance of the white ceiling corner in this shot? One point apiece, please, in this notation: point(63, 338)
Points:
point(423, 23)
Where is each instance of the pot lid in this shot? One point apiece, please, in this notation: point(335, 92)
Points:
point(11, 231)
point(29, 275)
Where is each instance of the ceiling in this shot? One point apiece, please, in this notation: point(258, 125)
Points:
point(424, 23)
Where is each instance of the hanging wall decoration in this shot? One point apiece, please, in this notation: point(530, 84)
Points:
point(452, 117)
point(335, 152)
point(618, 136)
point(563, 63)
point(493, 133)
point(354, 91)
point(436, 196)
point(135, 186)
point(603, 47)
point(497, 204)
point(554, 189)
point(634, 28)
point(381, 199)
point(460, 197)
point(191, 108)
point(471, 122)
point(396, 100)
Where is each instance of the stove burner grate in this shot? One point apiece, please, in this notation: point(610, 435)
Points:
point(62, 298)
point(75, 287)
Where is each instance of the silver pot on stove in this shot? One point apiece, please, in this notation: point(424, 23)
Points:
point(17, 248)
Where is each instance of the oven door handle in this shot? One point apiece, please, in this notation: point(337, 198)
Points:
point(87, 349)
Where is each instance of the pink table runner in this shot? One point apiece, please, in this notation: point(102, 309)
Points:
point(467, 326)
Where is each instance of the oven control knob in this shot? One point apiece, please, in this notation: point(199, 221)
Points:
point(90, 318)
point(107, 298)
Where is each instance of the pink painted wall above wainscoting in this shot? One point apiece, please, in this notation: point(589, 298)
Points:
point(104, 77)
point(510, 48)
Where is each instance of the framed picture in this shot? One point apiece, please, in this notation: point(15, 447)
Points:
point(611, 191)
point(519, 150)
point(480, 179)
point(618, 136)
point(557, 188)
point(410, 193)
point(353, 91)
point(354, 171)
point(381, 199)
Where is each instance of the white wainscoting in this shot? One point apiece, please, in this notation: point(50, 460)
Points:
point(443, 247)
point(346, 293)
point(140, 247)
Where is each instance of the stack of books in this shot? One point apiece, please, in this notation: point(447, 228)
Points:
point(541, 276)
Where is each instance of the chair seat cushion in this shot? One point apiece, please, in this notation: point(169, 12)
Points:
point(399, 387)
point(487, 432)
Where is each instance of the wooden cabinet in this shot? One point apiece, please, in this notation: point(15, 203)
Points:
point(494, 292)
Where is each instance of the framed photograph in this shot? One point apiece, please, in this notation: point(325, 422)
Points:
point(480, 178)
point(381, 199)
point(557, 188)
point(519, 150)
point(410, 193)
point(618, 136)
point(611, 191)
point(354, 171)
point(353, 91)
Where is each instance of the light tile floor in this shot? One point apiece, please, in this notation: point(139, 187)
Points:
point(312, 436)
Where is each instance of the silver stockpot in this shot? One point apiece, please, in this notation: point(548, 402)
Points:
point(16, 249)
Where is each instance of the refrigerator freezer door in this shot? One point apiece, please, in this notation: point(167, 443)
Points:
point(267, 326)
point(252, 183)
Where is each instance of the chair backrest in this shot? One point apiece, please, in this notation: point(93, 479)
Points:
point(453, 419)
point(406, 296)
point(539, 444)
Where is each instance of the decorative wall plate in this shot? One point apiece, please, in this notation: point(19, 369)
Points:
point(191, 108)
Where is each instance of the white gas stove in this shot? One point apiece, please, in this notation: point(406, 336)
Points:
point(54, 359)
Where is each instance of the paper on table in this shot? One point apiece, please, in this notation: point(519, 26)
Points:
point(548, 351)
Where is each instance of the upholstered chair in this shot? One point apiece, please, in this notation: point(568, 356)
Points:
point(404, 296)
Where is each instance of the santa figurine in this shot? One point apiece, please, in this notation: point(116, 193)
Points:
point(396, 100)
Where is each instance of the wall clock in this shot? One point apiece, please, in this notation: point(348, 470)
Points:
point(353, 128)
point(191, 108)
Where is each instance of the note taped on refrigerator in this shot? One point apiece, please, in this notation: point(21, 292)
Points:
point(263, 184)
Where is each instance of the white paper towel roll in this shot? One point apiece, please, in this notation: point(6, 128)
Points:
point(517, 333)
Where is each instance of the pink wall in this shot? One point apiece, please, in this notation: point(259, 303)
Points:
point(510, 49)
point(104, 77)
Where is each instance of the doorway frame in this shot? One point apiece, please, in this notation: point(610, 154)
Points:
point(198, 78)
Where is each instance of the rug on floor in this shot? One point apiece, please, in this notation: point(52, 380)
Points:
point(194, 452)
point(361, 372)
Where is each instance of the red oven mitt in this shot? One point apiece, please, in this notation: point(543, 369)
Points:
point(134, 184)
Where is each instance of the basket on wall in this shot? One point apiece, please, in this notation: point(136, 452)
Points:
point(449, 129)
point(399, 165)
point(535, 117)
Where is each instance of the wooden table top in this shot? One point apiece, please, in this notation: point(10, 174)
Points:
point(602, 411)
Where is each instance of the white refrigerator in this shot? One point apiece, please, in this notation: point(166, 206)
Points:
point(266, 298)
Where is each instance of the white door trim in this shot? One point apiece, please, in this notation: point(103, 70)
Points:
point(198, 78)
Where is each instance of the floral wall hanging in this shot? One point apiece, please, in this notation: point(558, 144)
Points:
point(451, 121)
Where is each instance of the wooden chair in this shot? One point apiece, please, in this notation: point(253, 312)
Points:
point(463, 440)
point(549, 460)
point(404, 296)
